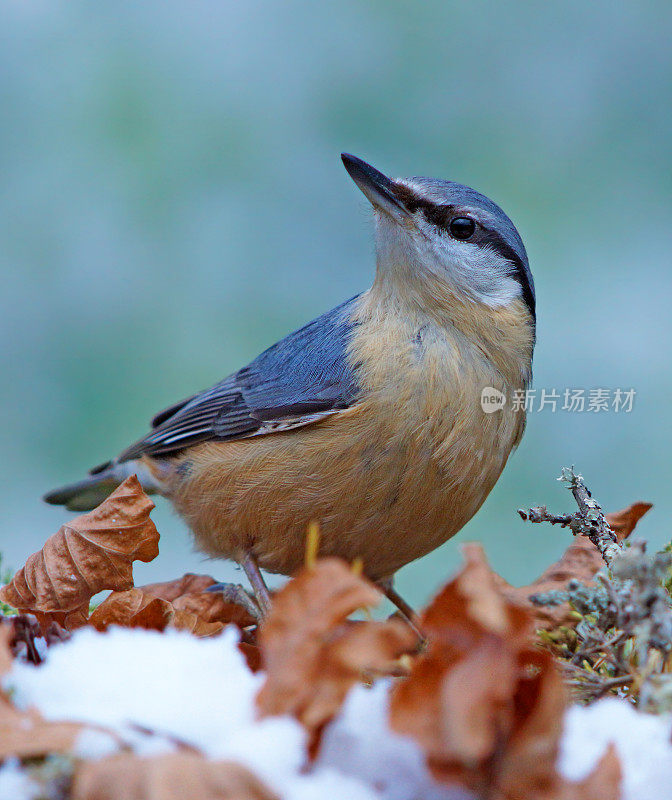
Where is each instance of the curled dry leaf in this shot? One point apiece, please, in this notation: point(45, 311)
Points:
point(136, 608)
point(188, 621)
point(483, 703)
point(133, 608)
point(24, 734)
point(188, 593)
point(212, 608)
point(623, 522)
point(6, 658)
point(95, 551)
point(603, 783)
point(170, 777)
point(311, 653)
point(580, 561)
point(183, 604)
point(187, 584)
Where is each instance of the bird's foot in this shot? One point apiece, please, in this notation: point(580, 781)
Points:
point(404, 610)
point(256, 579)
point(238, 595)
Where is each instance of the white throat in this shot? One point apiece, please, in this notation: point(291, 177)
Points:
point(410, 252)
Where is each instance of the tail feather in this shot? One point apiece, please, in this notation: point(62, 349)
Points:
point(83, 495)
point(90, 492)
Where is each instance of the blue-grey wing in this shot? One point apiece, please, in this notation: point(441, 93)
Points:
point(301, 378)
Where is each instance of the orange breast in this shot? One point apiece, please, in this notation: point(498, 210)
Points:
point(389, 479)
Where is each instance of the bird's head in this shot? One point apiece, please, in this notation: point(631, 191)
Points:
point(445, 235)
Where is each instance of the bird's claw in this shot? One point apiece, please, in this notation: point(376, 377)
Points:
point(238, 595)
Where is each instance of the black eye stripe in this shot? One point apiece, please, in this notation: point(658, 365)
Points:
point(441, 215)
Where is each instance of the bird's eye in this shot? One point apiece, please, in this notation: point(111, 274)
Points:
point(462, 228)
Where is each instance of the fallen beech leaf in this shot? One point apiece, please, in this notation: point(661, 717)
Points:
point(69, 620)
point(188, 621)
point(170, 777)
point(135, 608)
point(580, 561)
point(212, 608)
point(527, 766)
point(482, 701)
point(623, 522)
point(252, 655)
point(24, 734)
point(188, 593)
point(171, 590)
point(312, 655)
point(95, 551)
point(603, 783)
point(6, 658)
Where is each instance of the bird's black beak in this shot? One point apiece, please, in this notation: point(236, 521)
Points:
point(377, 188)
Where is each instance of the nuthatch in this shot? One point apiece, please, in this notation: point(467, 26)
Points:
point(369, 419)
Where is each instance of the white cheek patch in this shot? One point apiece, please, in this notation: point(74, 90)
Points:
point(476, 271)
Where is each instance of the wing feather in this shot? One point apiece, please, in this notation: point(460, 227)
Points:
point(303, 377)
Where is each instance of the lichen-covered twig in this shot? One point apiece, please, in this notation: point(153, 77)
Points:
point(623, 638)
point(588, 521)
point(599, 532)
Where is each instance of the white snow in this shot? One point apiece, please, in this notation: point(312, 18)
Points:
point(642, 741)
point(360, 743)
point(92, 744)
point(15, 783)
point(131, 680)
point(198, 691)
point(154, 690)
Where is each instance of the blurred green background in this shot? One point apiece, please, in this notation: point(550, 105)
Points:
point(172, 202)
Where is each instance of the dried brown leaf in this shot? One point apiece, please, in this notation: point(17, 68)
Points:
point(69, 620)
point(95, 551)
point(311, 653)
point(6, 658)
point(623, 522)
point(171, 590)
point(252, 655)
point(24, 734)
point(482, 702)
point(527, 765)
point(603, 783)
point(133, 608)
point(213, 608)
point(170, 777)
point(188, 621)
point(188, 593)
point(580, 561)
point(136, 608)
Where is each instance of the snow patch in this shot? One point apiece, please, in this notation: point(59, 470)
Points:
point(132, 680)
point(15, 784)
point(642, 741)
point(360, 743)
point(155, 690)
